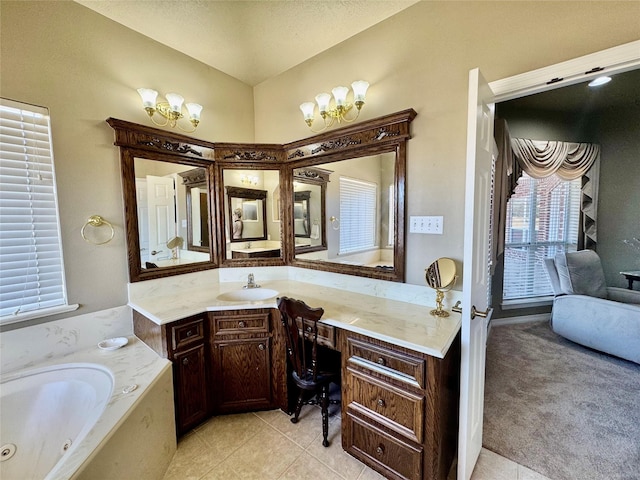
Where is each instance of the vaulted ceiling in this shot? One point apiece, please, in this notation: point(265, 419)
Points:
point(249, 40)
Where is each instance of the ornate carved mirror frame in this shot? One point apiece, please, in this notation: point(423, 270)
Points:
point(376, 137)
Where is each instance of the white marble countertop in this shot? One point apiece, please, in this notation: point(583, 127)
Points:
point(400, 323)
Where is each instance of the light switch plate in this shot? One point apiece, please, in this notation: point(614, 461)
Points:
point(426, 224)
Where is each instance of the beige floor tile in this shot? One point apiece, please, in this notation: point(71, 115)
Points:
point(333, 456)
point(492, 466)
point(307, 467)
point(191, 466)
point(265, 456)
point(224, 434)
point(525, 473)
point(368, 474)
point(307, 429)
point(222, 472)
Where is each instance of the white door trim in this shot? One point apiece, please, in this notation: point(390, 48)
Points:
point(612, 60)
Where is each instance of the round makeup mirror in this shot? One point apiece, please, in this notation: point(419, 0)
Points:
point(441, 276)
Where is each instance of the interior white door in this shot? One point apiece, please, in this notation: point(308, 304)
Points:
point(162, 215)
point(475, 278)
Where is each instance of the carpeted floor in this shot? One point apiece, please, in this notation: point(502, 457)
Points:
point(563, 410)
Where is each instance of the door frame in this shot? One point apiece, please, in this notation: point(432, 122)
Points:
point(621, 58)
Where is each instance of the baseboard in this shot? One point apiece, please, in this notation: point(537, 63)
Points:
point(540, 317)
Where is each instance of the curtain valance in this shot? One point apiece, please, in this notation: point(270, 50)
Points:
point(541, 158)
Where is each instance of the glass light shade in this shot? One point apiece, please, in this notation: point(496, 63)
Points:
point(359, 90)
point(175, 101)
point(323, 100)
point(148, 97)
point(599, 81)
point(194, 110)
point(340, 95)
point(307, 110)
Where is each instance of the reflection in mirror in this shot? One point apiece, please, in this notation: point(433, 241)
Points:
point(252, 228)
point(164, 217)
point(309, 201)
point(441, 276)
point(194, 181)
point(360, 199)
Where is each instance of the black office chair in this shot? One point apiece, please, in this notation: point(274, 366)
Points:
point(309, 375)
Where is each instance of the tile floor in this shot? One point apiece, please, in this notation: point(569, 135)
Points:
point(267, 446)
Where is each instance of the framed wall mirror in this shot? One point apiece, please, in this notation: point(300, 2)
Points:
point(252, 213)
point(197, 196)
point(309, 202)
point(168, 203)
point(359, 223)
point(356, 215)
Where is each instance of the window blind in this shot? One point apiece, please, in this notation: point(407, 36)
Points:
point(31, 267)
point(358, 207)
point(542, 219)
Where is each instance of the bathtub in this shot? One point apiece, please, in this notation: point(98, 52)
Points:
point(46, 412)
point(87, 415)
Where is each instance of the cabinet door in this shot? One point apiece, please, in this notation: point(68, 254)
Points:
point(190, 388)
point(242, 374)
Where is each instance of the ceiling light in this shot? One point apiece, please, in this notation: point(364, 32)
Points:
point(171, 110)
point(338, 112)
point(599, 81)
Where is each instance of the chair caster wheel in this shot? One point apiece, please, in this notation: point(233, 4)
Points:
point(325, 443)
point(294, 420)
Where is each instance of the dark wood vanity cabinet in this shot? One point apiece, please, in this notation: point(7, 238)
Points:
point(241, 353)
point(223, 362)
point(399, 407)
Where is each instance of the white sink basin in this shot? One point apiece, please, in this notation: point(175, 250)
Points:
point(248, 295)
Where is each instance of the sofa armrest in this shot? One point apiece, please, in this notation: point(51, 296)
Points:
point(623, 295)
point(605, 325)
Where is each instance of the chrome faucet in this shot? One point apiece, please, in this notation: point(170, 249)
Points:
point(251, 282)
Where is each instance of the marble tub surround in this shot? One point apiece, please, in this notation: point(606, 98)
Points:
point(134, 364)
point(30, 346)
point(399, 322)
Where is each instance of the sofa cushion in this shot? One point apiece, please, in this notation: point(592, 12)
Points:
point(581, 273)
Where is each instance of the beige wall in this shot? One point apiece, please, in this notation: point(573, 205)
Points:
point(86, 68)
point(420, 59)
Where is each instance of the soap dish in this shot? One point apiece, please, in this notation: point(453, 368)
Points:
point(113, 343)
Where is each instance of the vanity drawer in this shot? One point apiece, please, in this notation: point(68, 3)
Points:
point(397, 365)
point(187, 333)
point(387, 454)
point(326, 333)
point(392, 407)
point(235, 324)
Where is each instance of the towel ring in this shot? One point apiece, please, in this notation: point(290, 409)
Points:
point(335, 223)
point(97, 221)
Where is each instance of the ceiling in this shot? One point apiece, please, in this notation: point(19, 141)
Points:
point(622, 90)
point(249, 40)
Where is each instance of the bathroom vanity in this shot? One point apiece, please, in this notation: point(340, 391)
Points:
point(400, 367)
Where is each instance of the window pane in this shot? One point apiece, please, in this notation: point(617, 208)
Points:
point(31, 277)
point(542, 220)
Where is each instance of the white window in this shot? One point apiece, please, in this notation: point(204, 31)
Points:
point(543, 218)
point(31, 269)
point(358, 208)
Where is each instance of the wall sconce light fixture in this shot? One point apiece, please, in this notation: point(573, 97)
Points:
point(341, 107)
point(171, 110)
point(249, 179)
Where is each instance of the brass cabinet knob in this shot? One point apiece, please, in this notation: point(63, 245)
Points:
point(189, 333)
point(241, 324)
point(309, 329)
point(185, 361)
point(261, 346)
point(381, 402)
point(380, 449)
point(381, 361)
